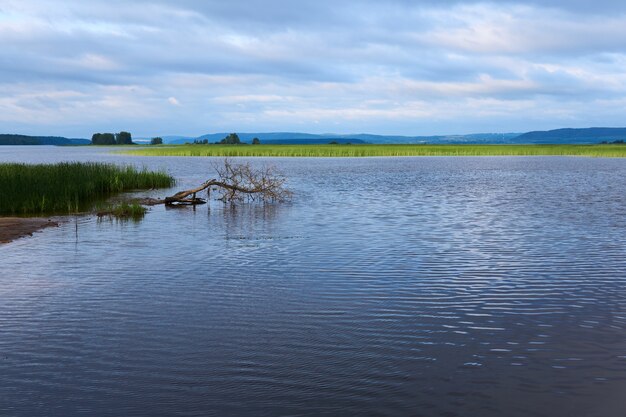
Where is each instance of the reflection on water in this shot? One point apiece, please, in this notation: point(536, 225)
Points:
point(401, 286)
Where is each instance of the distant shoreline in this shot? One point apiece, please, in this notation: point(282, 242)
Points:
point(368, 150)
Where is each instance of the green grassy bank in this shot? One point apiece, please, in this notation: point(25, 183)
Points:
point(68, 187)
point(381, 150)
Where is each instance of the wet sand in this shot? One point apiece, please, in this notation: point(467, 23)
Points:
point(12, 228)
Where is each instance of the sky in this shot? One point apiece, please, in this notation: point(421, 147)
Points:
point(190, 67)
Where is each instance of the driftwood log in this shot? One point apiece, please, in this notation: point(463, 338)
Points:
point(237, 182)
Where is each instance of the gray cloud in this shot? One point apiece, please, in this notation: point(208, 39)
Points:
point(189, 67)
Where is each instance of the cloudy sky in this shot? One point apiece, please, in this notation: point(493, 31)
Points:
point(191, 67)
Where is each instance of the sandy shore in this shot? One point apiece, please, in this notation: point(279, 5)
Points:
point(12, 228)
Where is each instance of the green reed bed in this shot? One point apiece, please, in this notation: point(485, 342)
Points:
point(123, 211)
point(618, 151)
point(69, 187)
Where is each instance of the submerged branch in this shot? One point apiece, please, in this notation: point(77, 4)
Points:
point(236, 183)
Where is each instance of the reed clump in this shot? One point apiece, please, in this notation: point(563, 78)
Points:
point(69, 187)
point(124, 211)
point(368, 150)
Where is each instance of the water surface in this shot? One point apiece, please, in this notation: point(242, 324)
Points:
point(482, 286)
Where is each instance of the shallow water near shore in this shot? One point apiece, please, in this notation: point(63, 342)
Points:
point(424, 286)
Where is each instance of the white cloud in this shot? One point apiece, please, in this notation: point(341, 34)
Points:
point(359, 65)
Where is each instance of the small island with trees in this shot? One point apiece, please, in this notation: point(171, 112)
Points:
point(121, 138)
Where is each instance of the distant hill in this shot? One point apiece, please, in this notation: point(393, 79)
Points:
point(565, 136)
point(143, 140)
point(580, 136)
point(558, 136)
point(304, 138)
point(471, 138)
point(172, 139)
point(7, 139)
point(284, 137)
point(316, 141)
point(277, 138)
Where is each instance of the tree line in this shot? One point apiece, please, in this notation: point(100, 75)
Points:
point(125, 138)
point(122, 138)
point(231, 139)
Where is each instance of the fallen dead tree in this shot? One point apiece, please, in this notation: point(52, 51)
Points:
point(235, 183)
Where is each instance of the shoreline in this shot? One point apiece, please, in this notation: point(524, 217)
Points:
point(13, 228)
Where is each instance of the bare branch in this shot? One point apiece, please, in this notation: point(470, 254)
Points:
point(236, 183)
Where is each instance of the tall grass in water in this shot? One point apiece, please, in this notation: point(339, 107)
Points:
point(124, 211)
point(382, 150)
point(68, 187)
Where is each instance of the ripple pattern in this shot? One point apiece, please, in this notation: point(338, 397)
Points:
point(400, 286)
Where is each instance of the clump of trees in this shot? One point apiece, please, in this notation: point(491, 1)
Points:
point(156, 141)
point(232, 139)
point(123, 211)
point(103, 139)
point(121, 138)
point(256, 141)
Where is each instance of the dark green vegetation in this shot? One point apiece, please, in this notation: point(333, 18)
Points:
point(267, 139)
point(122, 138)
point(40, 140)
point(230, 139)
point(69, 187)
point(341, 150)
point(156, 141)
point(124, 211)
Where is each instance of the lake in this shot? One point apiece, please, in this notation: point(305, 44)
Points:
point(469, 286)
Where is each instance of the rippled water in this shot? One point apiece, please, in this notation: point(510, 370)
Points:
point(394, 286)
